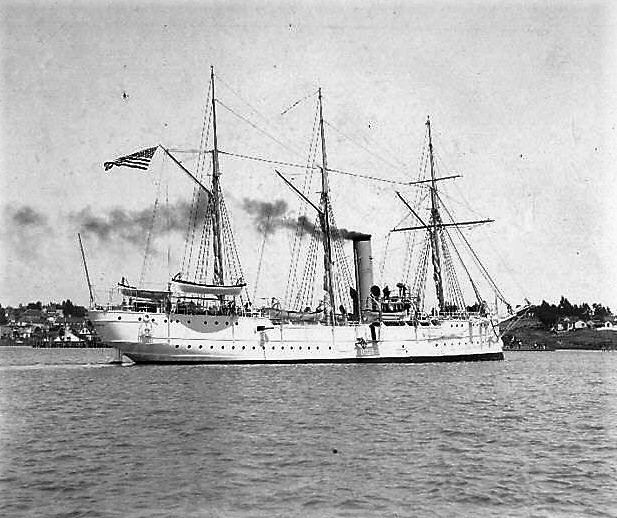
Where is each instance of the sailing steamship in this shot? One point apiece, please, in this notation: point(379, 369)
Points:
point(209, 318)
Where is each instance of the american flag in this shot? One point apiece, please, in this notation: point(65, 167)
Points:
point(140, 160)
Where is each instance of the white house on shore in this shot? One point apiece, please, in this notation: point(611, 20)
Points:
point(607, 326)
point(68, 337)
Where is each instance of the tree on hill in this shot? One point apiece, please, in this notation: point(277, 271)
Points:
point(564, 309)
point(69, 309)
point(3, 319)
point(547, 314)
point(600, 312)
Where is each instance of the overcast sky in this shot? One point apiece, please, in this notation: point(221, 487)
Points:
point(521, 95)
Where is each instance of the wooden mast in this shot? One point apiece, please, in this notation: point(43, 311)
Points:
point(324, 218)
point(435, 224)
point(216, 193)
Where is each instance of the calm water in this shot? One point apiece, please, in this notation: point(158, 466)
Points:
point(535, 435)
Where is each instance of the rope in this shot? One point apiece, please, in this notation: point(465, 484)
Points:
point(304, 166)
point(297, 244)
point(258, 128)
point(261, 254)
point(473, 284)
point(286, 110)
point(196, 198)
point(353, 141)
point(477, 259)
point(382, 266)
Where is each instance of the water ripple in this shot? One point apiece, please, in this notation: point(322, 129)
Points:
point(535, 435)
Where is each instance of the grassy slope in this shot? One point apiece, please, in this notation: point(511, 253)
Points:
point(530, 330)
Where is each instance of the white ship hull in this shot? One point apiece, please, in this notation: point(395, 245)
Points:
point(180, 338)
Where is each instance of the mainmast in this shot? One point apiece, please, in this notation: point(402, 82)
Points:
point(324, 218)
point(216, 193)
point(434, 224)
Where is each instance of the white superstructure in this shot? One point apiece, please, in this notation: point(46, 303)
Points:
point(203, 338)
point(211, 320)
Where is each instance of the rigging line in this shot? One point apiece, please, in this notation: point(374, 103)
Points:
point(150, 231)
point(297, 243)
point(195, 203)
point(288, 109)
point(381, 147)
point(473, 284)
point(452, 199)
point(379, 157)
point(261, 254)
point(267, 160)
point(507, 268)
point(463, 201)
point(205, 129)
point(368, 177)
point(242, 98)
point(451, 273)
point(191, 151)
point(482, 267)
point(304, 166)
point(382, 266)
point(255, 126)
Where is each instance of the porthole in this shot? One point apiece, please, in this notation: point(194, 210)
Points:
point(188, 321)
point(292, 347)
point(119, 318)
point(177, 321)
point(165, 321)
point(233, 347)
point(226, 323)
point(152, 320)
point(282, 348)
point(309, 347)
point(318, 348)
point(177, 346)
point(139, 319)
point(236, 323)
point(200, 346)
point(188, 346)
point(243, 347)
point(253, 348)
point(300, 348)
point(205, 322)
point(330, 348)
point(211, 347)
point(222, 347)
point(273, 348)
point(216, 323)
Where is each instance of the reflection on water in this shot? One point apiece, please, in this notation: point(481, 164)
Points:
point(533, 435)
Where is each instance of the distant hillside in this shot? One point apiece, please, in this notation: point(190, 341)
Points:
point(529, 330)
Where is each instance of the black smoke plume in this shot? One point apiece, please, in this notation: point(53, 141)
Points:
point(26, 216)
point(26, 231)
point(133, 225)
point(270, 216)
point(266, 216)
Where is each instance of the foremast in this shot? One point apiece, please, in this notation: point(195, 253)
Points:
point(216, 196)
